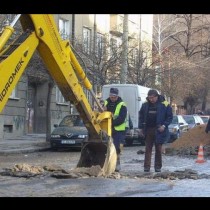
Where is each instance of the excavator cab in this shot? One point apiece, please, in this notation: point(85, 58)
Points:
point(40, 33)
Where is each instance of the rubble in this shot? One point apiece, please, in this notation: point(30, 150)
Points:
point(190, 141)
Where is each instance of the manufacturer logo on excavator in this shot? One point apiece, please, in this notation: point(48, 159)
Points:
point(10, 80)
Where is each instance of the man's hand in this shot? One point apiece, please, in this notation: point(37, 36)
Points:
point(161, 128)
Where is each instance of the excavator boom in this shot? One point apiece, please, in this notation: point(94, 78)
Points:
point(41, 34)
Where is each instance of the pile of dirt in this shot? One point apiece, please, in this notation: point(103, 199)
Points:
point(191, 140)
point(27, 168)
point(92, 171)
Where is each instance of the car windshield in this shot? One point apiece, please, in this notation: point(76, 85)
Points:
point(71, 120)
point(189, 119)
point(205, 119)
point(175, 120)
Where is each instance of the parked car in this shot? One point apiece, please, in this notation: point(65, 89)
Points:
point(177, 127)
point(70, 133)
point(132, 136)
point(193, 120)
point(205, 118)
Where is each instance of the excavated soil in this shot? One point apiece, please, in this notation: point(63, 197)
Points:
point(190, 141)
point(27, 171)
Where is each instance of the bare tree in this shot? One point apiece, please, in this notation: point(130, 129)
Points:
point(149, 69)
point(192, 42)
point(179, 42)
point(163, 28)
point(140, 70)
point(102, 65)
point(124, 66)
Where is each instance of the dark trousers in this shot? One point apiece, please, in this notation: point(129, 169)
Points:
point(118, 138)
point(149, 142)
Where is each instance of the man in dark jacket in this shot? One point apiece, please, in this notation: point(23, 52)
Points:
point(118, 108)
point(207, 129)
point(154, 117)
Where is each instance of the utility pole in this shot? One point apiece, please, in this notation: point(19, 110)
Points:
point(73, 29)
point(140, 52)
point(124, 68)
point(94, 54)
point(94, 34)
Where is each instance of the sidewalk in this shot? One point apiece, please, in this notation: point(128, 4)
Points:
point(24, 144)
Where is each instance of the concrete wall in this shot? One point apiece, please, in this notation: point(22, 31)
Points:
point(13, 116)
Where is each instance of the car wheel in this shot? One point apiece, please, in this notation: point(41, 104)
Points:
point(143, 143)
point(53, 148)
point(129, 142)
point(178, 134)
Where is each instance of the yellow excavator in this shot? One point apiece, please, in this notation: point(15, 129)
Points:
point(40, 33)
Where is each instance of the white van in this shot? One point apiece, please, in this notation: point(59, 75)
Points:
point(133, 95)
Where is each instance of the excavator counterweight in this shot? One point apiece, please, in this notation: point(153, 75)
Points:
point(40, 33)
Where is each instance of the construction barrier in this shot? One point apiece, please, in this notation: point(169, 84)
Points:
point(200, 158)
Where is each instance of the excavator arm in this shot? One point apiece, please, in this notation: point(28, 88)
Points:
point(40, 33)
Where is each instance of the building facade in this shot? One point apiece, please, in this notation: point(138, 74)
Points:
point(25, 111)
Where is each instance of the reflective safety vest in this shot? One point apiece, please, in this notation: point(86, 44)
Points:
point(127, 121)
point(120, 127)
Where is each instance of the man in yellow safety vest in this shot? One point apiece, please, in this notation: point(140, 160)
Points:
point(117, 106)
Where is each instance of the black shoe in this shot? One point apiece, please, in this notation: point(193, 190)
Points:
point(118, 167)
point(146, 170)
point(157, 170)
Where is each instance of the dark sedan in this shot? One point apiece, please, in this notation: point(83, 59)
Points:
point(70, 133)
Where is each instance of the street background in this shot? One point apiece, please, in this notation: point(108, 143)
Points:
point(180, 176)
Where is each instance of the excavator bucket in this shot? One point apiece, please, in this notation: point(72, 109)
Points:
point(99, 153)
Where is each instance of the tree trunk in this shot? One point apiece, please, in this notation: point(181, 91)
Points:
point(124, 68)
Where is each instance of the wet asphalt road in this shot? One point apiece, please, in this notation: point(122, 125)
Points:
point(125, 184)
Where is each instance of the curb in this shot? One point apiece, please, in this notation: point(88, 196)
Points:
point(24, 151)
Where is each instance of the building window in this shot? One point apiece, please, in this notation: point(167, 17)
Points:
point(64, 28)
point(99, 45)
point(14, 94)
point(59, 97)
point(86, 40)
